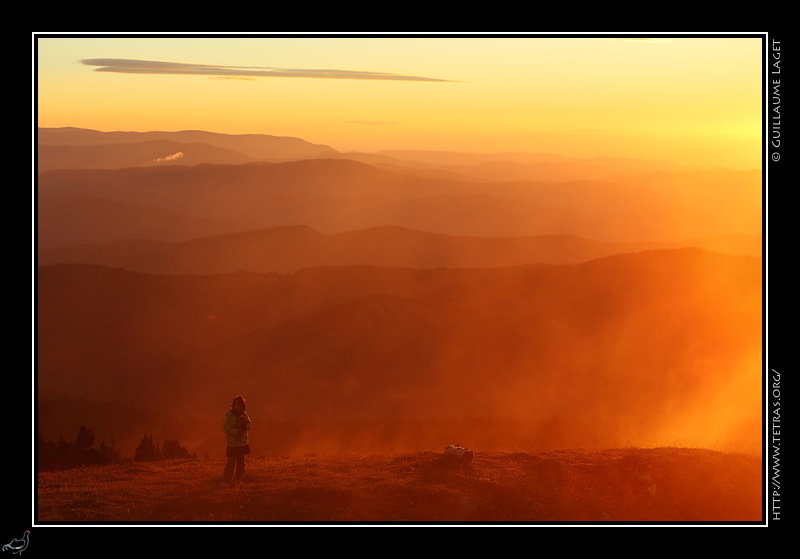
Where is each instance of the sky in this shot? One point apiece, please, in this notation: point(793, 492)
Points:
point(690, 99)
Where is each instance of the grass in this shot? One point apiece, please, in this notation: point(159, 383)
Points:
point(613, 485)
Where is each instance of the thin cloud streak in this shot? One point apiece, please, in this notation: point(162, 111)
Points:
point(131, 66)
point(370, 122)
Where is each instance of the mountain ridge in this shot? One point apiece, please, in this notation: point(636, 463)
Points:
point(140, 154)
point(334, 195)
point(369, 341)
point(255, 146)
point(629, 348)
point(289, 248)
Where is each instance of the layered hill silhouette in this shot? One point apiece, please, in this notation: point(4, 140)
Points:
point(511, 167)
point(361, 299)
point(630, 349)
point(73, 148)
point(141, 154)
point(334, 196)
point(290, 248)
point(70, 148)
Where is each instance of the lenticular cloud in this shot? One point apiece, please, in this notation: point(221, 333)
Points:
point(130, 66)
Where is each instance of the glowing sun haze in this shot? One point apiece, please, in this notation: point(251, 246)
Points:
point(688, 99)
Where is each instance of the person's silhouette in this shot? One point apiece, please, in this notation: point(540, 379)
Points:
point(236, 426)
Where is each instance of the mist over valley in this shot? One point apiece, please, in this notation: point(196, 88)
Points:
point(394, 300)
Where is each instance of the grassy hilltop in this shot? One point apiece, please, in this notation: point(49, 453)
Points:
point(681, 485)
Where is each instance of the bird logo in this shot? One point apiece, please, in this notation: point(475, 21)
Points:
point(17, 546)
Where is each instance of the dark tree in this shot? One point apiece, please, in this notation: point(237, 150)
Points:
point(173, 449)
point(85, 438)
point(62, 455)
point(147, 450)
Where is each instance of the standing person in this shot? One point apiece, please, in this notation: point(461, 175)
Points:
point(236, 426)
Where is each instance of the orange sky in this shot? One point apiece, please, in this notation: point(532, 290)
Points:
point(690, 99)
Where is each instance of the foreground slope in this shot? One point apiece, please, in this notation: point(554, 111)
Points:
point(680, 485)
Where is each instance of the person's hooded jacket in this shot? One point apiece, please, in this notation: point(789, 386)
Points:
point(236, 428)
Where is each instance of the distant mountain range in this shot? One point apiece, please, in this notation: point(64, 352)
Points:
point(74, 148)
point(290, 248)
point(607, 350)
point(179, 203)
point(594, 301)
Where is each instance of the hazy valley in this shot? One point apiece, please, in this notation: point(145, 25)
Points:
point(393, 301)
